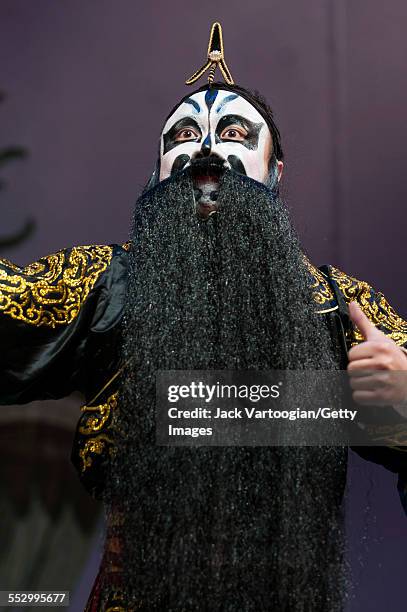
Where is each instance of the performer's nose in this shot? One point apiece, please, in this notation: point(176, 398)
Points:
point(205, 149)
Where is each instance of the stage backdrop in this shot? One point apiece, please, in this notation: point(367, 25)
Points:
point(88, 85)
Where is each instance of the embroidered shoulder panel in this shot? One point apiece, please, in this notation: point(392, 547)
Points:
point(374, 305)
point(51, 291)
point(322, 292)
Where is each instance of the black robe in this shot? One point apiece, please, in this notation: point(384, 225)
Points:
point(60, 325)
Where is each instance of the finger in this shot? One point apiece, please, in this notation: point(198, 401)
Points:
point(364, 367)
point(372, 398)
point(369, 383)
point(366, 328)
point(364, 350)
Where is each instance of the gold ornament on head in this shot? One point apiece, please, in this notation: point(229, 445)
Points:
point(215, 58)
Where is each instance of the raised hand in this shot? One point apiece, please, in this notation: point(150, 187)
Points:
point(377, 366)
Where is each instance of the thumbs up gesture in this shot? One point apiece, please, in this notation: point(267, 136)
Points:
point(377, 367)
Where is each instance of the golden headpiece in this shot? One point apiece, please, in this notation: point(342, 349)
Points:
point(215, 58)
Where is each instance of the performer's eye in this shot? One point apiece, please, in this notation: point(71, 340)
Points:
point(236, 133)
point(186, 134)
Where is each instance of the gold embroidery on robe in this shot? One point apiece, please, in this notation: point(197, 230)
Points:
point(322, 292)
point(51, 291)
point(374, 305)
point(97, 422)
point(97, 416)
point(95, 446)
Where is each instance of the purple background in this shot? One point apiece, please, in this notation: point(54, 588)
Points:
point(88, 86)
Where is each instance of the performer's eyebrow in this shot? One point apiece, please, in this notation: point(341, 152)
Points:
point(194, 104)
point(251, 140)
point(226, 101)
point(169, 137)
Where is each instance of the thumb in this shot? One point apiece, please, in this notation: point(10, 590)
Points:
point(366, 328)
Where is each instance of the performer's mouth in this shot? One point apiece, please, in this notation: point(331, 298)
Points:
point(206, 189)
point(206, 175)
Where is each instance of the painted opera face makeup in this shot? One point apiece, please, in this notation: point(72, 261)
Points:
point(219, 123)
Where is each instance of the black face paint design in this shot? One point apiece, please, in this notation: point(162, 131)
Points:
point(236, 164)
point(179, 163)
point(253, 130)
point(206, 146)
point(169, 137)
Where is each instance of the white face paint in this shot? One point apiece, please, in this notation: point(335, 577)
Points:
point(221, 123)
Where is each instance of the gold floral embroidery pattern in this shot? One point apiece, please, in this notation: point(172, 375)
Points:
point(374, 305)
point(51, 291)
point(97, 416)
point(94, 446)
point(10, 265)
point(97, 422)
point(322, 292)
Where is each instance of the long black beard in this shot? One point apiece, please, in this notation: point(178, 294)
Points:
point(229, 528)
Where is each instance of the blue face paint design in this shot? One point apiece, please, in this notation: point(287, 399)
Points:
point(194, 103)
point(225, 101)
point(210, 97)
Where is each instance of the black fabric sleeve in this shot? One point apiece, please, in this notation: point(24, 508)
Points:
point(46, 309)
